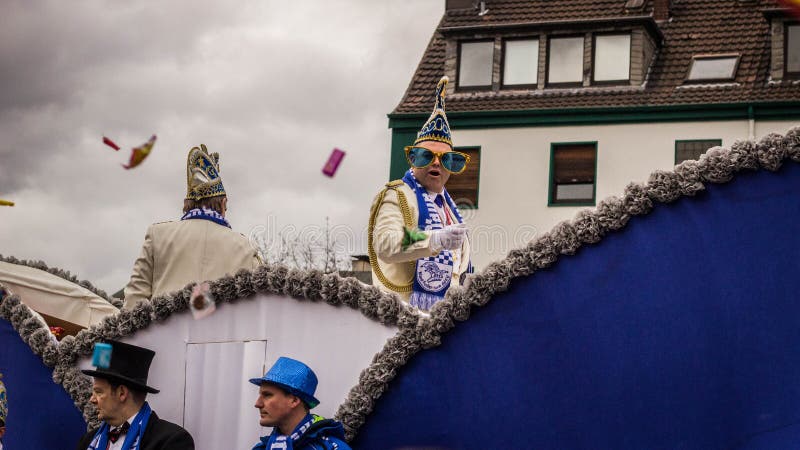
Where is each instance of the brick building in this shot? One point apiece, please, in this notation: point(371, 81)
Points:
point(561, 103)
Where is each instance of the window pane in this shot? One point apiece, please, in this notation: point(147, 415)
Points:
point(612, 58)
point(476, 64)
point(574, 191)
point(565, 60)
point(793, 48)
point(521, 62)
point(713, 68)
point(463, 188)
point(573, 177)
point(685, 150)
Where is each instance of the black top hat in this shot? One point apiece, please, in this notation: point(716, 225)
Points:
point(129, 366)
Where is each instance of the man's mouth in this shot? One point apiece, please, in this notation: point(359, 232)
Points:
point(434, 173)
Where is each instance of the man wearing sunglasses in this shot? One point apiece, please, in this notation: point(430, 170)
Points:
point(417, 242)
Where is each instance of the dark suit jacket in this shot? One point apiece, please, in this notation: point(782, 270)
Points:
point(159, 435)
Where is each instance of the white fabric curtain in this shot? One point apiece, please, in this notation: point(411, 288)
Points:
point(217, 397)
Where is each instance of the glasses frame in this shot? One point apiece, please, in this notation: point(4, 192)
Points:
point(439, 155)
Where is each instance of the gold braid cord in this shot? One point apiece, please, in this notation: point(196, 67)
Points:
point(407, 219)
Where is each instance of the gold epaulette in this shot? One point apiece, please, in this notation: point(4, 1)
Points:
point(394, 183)
point(407, 220)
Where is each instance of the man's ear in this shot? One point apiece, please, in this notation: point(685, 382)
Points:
point(123, 392)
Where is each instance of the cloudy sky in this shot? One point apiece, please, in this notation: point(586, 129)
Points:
point(273, 86)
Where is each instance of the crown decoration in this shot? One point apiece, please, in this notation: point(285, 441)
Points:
point(437, 128)
point(202, 174)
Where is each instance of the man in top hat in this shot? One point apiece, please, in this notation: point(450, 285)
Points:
point(200, 246)
point(417, 241)
point(285, 399)
point(119, 393)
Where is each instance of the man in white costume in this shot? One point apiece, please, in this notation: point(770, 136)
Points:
point(200, 246)
point(417, 241)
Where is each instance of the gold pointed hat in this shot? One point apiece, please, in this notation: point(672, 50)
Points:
point(437, 128)
point(202, 174)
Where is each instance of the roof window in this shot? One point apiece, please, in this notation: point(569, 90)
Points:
point(713, 67)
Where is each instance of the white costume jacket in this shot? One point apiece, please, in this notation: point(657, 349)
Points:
point(177, 253)
point(397, 265)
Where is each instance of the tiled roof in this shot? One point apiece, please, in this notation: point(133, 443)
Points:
point(695, 27)
point(516, 11)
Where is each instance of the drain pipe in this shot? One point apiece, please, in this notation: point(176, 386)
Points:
point(751, 121)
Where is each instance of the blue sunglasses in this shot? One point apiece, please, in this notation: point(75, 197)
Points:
point(452, 161)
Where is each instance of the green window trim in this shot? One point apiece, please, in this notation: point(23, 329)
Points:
point(405, 126)
point(478, 183)
point(550, 179)
point(788, 110)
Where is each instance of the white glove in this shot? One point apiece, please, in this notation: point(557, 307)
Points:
point(450, 237)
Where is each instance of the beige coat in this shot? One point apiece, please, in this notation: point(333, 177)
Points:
point(63, 303)
point(177, 253)
point(397, 264)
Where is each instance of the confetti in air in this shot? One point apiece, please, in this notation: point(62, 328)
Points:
point(333, 162)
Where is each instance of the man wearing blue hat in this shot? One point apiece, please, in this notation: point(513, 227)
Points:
point(285, 398)
point(417, 240)
point(201, 246)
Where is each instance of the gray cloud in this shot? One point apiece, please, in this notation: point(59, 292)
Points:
point(273, 86)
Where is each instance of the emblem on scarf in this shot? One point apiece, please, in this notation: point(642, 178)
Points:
point(432, 274)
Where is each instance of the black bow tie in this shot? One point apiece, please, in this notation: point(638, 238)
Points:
point(115, 433)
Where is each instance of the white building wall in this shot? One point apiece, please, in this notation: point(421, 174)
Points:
point(515, 170)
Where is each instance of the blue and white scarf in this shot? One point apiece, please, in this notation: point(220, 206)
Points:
point(432, 274)
point(206, 214)
point(133, 438)
point(278, 441)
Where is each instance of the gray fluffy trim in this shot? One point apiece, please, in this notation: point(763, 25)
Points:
point(418, 331)
point(718, 165)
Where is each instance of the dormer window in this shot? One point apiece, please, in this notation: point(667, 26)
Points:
point(612, 58)
point(565, 61)
point(713, 68)
point(475, 61)
point(520, 62)
point(792, 52)
point(541, 59)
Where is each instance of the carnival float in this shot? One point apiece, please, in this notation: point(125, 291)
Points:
point(666, 317)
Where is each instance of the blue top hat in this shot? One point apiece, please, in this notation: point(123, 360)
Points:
point(293, 376)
